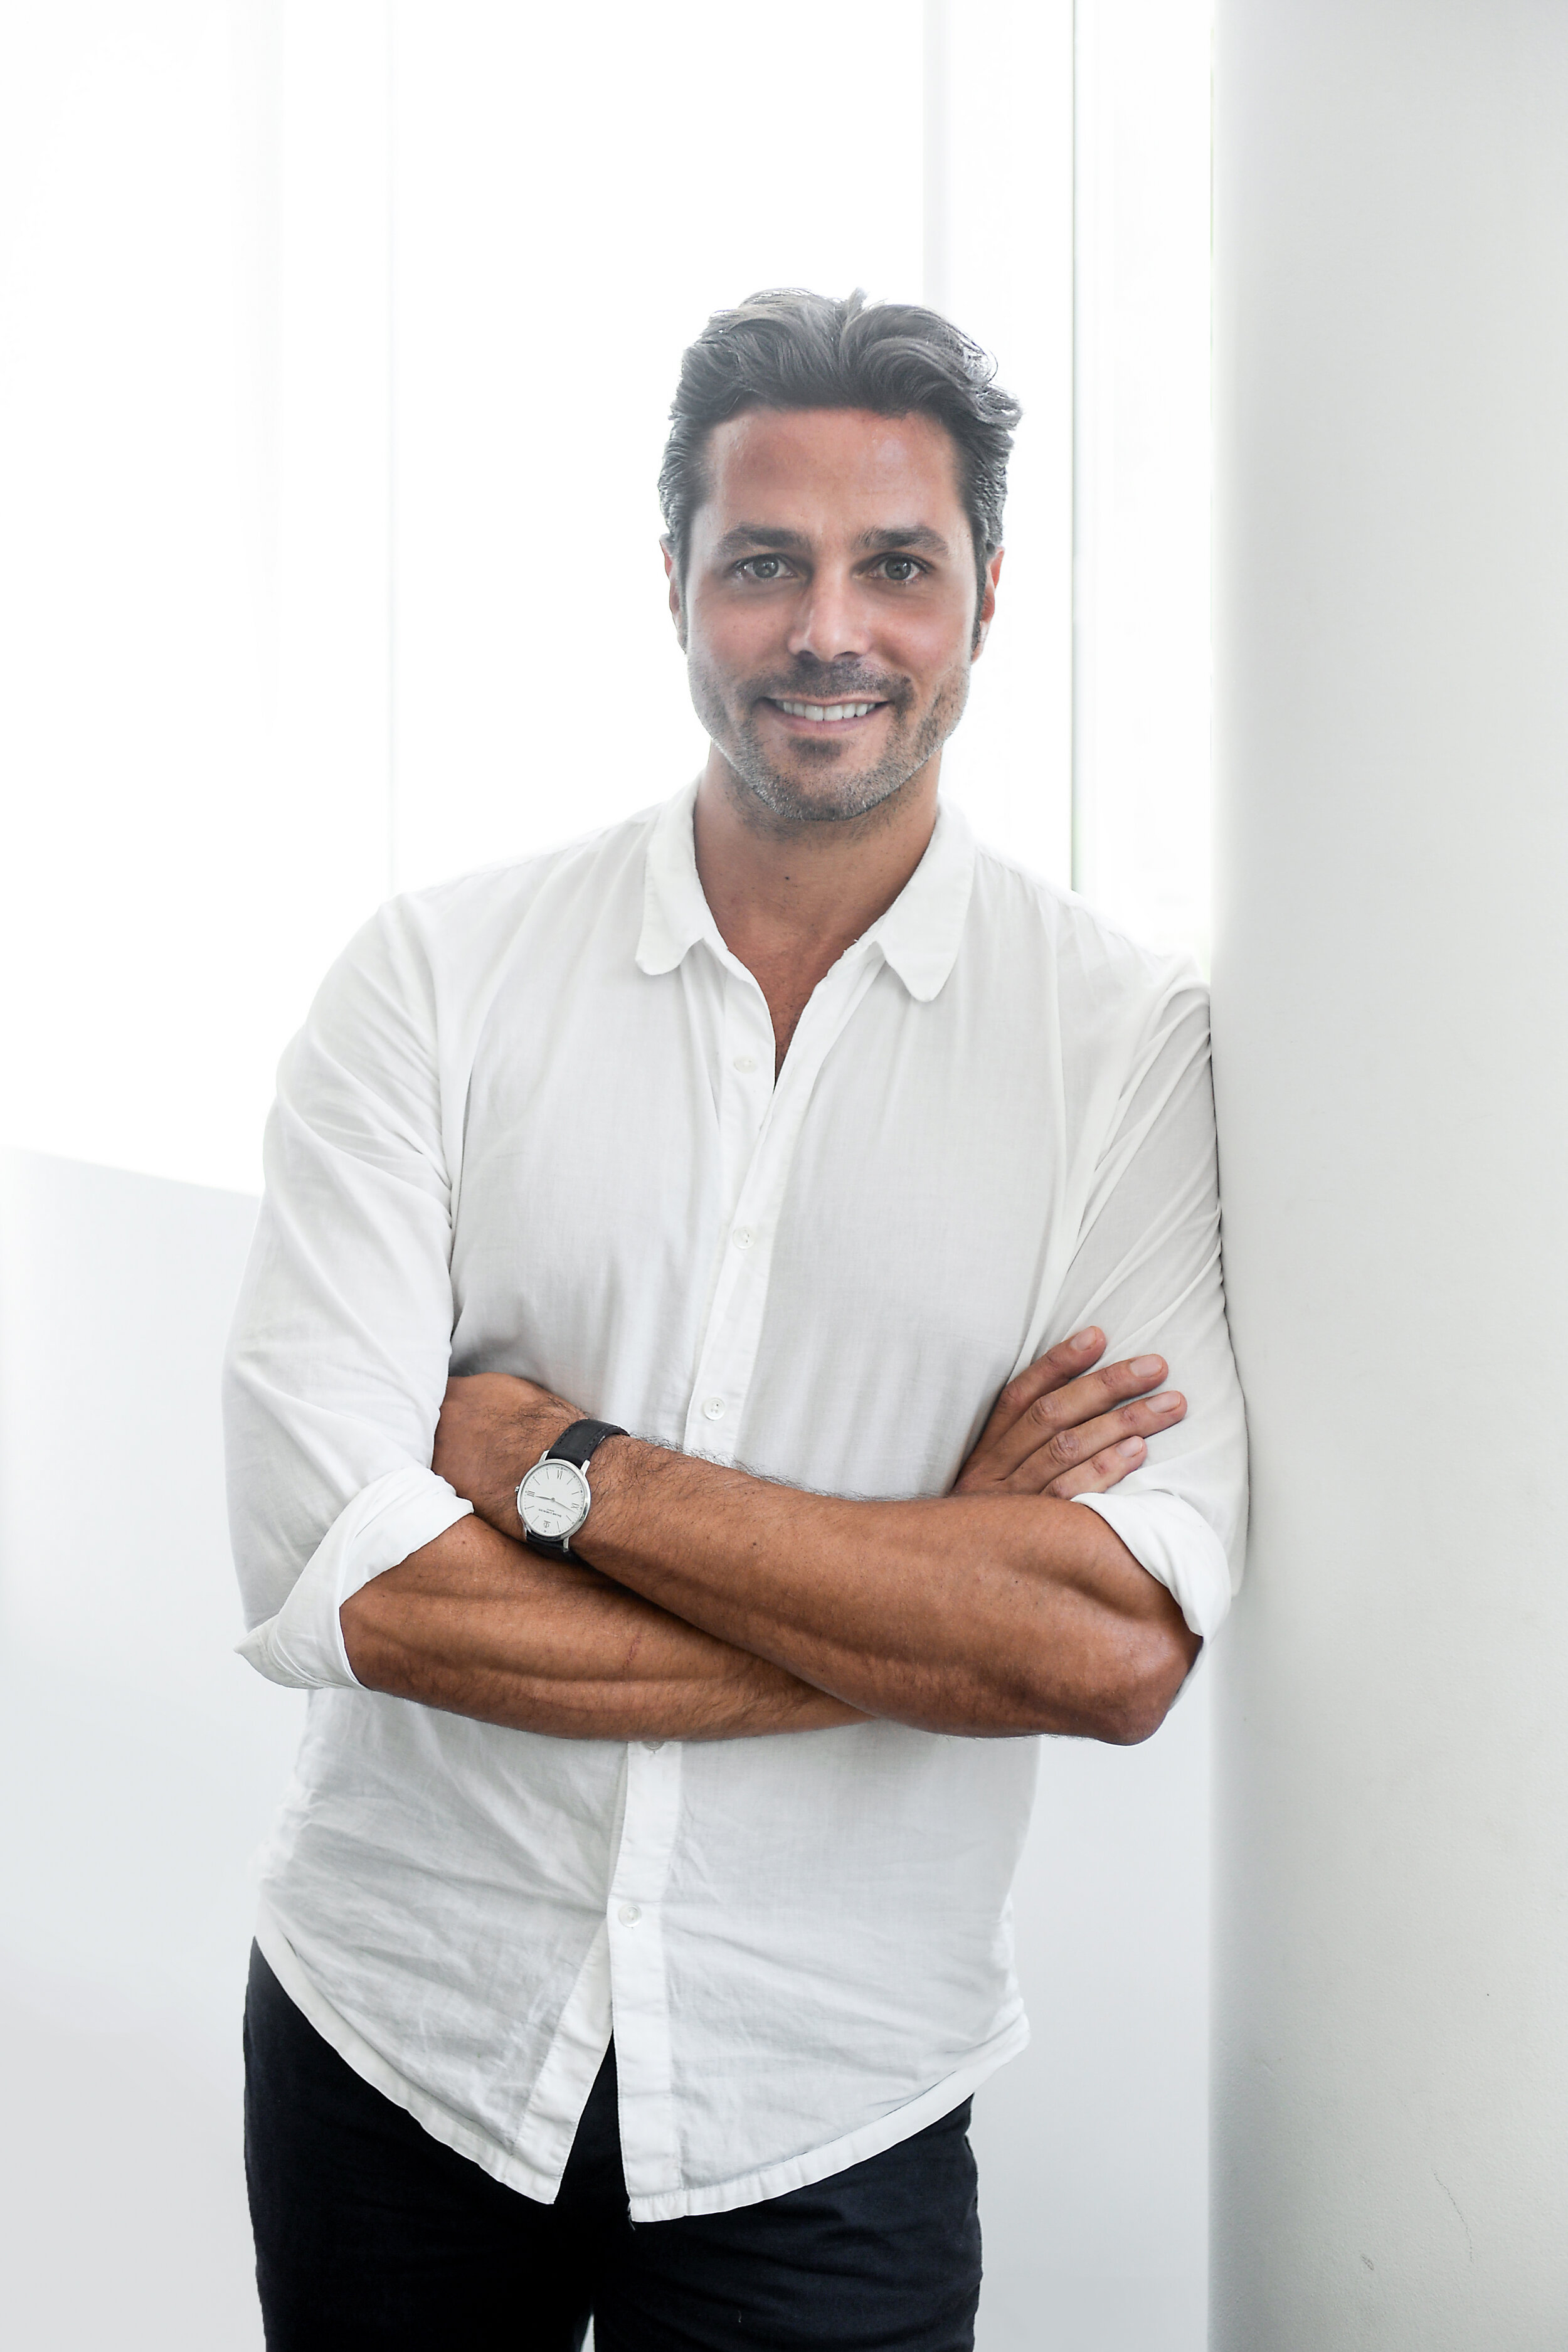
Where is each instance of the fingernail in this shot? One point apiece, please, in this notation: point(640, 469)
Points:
point(1147, 1368)
point(1169, 1402)
point(1130, 1447)
point(1082, 1340)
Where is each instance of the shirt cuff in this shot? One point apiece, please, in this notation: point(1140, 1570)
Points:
point(303, 1646)
point(1177, 1546)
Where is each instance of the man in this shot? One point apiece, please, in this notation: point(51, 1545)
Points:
point(825, 1154)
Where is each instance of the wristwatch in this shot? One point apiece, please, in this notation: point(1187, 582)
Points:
point(554, 1499)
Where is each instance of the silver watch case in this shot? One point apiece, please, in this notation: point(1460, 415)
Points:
point(553, 1499)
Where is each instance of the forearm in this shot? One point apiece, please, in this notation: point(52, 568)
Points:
point(478, 1625)
point(969, 1614)
point(974, 1613)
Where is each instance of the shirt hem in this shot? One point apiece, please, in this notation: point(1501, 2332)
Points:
point(464, 2138)
point(666, 2205)
point(855, 2147)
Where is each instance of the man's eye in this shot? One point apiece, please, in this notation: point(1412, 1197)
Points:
point(765, 567)
point(900, 568)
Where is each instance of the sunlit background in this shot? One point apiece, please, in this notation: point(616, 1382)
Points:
point(336, 344)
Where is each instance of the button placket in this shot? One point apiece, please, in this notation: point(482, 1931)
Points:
point(639, 1994)
point(745, 1107)
point(738, 1295)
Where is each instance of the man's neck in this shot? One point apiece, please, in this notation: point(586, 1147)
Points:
point(789, 899)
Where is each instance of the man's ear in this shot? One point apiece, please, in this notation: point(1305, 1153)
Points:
point(987, 613)
point(676, 608)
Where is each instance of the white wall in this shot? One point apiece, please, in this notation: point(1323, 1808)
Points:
point(1093, 2145)
point(1391, 974)
point(141, 1762)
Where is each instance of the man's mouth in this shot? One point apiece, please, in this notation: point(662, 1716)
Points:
point(830, 714)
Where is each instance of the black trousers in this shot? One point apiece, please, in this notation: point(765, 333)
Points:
point(372, 2237)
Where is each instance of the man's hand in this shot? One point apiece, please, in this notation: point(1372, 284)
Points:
point(993, 1610)
point(1062, 1428)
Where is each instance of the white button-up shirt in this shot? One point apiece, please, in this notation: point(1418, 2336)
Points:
point(532, 1127)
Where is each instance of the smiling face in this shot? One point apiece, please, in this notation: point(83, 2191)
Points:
point(828, 612)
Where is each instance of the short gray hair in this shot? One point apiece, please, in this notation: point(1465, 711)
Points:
point(790, 349)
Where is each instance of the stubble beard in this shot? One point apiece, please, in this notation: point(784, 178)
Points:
point(827, 798)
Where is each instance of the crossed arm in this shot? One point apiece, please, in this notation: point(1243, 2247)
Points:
point(717, 1605)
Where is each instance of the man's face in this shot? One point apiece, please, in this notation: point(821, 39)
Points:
point(829, 613)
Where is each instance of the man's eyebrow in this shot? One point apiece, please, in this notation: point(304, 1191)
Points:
point(762, 534)
point(918, 535)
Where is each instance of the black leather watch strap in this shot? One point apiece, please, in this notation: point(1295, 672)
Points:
point(574, 1444)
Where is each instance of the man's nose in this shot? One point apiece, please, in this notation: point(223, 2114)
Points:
point(833, 622)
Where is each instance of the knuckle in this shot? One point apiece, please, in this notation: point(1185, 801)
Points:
point(1066, 1445)
point(1043, 1412)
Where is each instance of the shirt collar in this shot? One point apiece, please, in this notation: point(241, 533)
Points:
point(675, 914)
point(918, 935)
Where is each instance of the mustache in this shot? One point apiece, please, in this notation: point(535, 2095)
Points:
point(825, 682)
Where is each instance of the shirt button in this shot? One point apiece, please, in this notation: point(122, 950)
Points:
point(714, 1409)
point(745, 1063)
point(630, 1915)
point(742, 1238)
point(652, 1746)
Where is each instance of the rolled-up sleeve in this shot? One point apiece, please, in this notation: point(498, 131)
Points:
point(338, 1360)
point(1148, 1271)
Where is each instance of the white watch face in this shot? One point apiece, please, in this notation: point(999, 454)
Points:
point(552, 1500)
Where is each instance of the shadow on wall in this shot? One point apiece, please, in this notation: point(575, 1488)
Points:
point(142, 1762)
